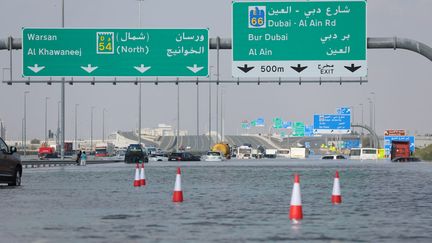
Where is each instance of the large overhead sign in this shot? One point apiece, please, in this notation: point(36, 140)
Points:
point(297, 39)
point(115, 52)
point(332, 124)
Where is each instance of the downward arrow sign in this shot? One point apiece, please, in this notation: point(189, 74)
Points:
point(299, 68)
point(36, 68)
point(142, 69)
point(352, 68)
point(195, 68)
point(245, 68)
point(89, 68)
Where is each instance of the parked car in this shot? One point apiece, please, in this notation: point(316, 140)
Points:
point(10, 165)
point(213, 156)
point(136, 153)
point(183, 156)
point(158, 157)
point(333, 156)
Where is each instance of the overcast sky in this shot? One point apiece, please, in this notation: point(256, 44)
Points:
point(401, 80)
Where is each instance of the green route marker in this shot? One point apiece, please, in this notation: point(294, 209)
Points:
point(317, 39)
point(115, 52)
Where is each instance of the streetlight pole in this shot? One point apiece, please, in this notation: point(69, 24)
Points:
point(197, 134)
point(62, 140)
point(91, 129)
point(178, 115)
point(362, 118)
point(25, 123)
point(46, 119)
point(374, 113)
point(103, 125)
point(76, 126)
point(210, 76)
point(139, 91)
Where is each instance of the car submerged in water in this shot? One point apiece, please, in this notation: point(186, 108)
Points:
point(135, 153)
point(183, 156)
point(10, 165)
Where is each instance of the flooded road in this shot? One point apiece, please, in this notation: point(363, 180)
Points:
point(231, 201)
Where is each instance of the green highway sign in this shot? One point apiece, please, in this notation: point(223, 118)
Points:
point(298, 129)
point(312, 39)
point(115, 52)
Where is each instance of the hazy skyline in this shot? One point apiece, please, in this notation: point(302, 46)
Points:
point(400, 79)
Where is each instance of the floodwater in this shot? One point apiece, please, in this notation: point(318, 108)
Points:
point(231, 201)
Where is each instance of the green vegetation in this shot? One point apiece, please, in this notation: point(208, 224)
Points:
point(424, 153)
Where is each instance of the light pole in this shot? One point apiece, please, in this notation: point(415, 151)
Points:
point(25, 123)
point(46, 119)
point(210, 75)
point(139, 89)
point(374, 113)
point(63, 93)
point(103, 125)
point(197, 134)
point(91, 128)
point(362, 117)
point(76, 126)
point(58, 124)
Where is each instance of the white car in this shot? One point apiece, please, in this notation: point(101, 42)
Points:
point(213, 156)
point(158, 157)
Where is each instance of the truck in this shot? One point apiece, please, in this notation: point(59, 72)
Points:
point(270, 153)
point(104, 149)
point(299, 153)
point(400, 149)
point(223, 148)
point(45, 151)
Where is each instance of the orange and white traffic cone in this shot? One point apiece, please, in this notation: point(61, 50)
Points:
point(336, 194)
point(137, 176)
point(296, 211)
point(178, 193)
point(142, 176)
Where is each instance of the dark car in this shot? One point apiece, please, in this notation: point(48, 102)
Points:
point(183, 156)
point(136, 153)
point(406, 159)
point(10, 165)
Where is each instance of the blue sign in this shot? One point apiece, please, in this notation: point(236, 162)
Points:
point(259, 122)
point(309, 132)
point(388, 142)
point(343, 111)
point(332, 124)
point(349, 144)
point(287, 125)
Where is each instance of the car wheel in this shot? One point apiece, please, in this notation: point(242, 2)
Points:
point(16, 179)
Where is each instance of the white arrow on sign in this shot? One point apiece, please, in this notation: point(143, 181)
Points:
point(36, 68)
point(195, 68)
point(142, 69)
point(89, 68)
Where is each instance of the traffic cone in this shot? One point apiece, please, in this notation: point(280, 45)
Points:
point(336, 195)
point(296, 212)
point(137, 176)
point(178, 193)
point(142, 176)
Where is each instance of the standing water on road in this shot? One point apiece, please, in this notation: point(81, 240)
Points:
point(231, 201)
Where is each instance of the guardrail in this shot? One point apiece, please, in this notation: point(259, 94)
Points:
point(54, 163)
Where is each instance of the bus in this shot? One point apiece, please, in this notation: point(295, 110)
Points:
point(364, 153)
